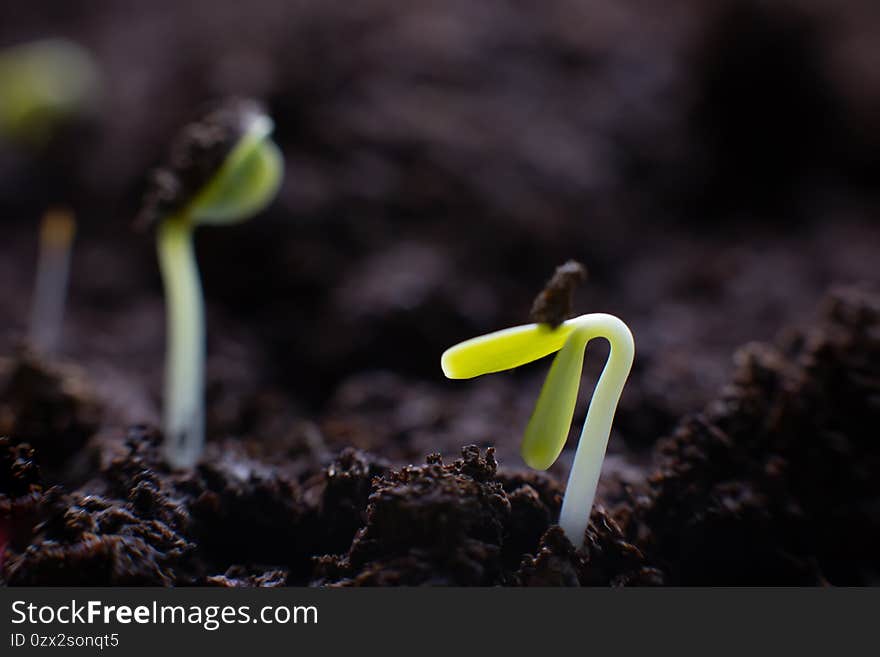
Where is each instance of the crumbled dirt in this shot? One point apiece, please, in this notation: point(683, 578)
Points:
point(137, 523)
point(238, 577)
point(606, 560)
point(49, 406)
point(463, 524)
point(20, 495)
point(431, 524)
point(132, 534)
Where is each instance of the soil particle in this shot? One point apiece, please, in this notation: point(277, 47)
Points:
point(773, 482)
point(245, 515)
point(528, 518)
point(19, 472)
point(239, 577)
point(91, 540)
point(606, 559)
point(20, 493)
point(344, 500)
point(611, 560)
point(553, 304)
point(557, 563)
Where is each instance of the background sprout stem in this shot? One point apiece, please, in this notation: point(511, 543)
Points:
point(184, 404)
point(57, 231)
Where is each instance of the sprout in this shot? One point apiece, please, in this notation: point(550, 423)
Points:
point(42, 84)
point(549, 425)
point(223, 170)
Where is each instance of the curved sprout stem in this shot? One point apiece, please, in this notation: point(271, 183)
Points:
point(184, 404)
point(580, 492)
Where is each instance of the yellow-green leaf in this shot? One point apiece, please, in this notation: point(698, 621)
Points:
point(550, 423)
point(246, 183)
point(502, 350)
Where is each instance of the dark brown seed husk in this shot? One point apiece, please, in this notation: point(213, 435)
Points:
point(553, 305)
point(195, 156)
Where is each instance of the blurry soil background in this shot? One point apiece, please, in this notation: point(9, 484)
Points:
point(715, 167)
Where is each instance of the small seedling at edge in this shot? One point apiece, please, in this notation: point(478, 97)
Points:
point(549, 425)
point(223, 169)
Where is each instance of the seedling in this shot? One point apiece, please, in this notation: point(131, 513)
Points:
point(551, 420)
point(43, 84)
point(223, 170)
point(57, 231)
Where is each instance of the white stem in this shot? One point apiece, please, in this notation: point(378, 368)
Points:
point(584, 477)
point(184, 404)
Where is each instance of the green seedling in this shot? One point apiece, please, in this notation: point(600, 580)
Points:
point(224, 169)
point(43, 84)
point(551, 420)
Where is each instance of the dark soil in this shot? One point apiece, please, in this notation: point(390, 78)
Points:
point(712, 165)
point(776, 480)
